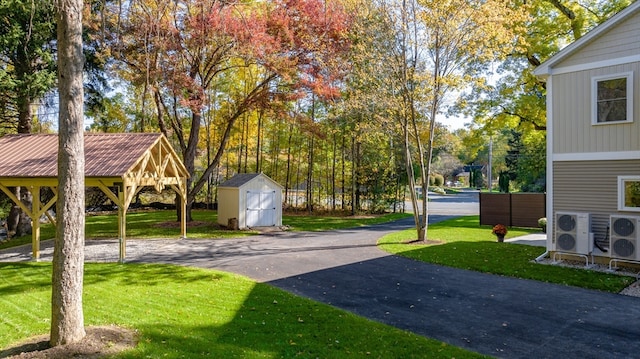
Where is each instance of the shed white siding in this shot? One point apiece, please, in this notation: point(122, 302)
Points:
point(228, 205)
point(255, 200)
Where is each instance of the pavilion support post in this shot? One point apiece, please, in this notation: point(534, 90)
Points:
point(183, 217)
point(122, 225)
point(181, 191)
point(120, 199)
point(51, 219)
point(35, 224)
point(34, 214)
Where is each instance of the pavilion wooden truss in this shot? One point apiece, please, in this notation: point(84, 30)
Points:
point(120, 165)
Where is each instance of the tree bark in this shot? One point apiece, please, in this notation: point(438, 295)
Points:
point(333, 173)
point(259, 145)
point(24, 222)
point(67, 319)
point(287, 181)
point(310, 165)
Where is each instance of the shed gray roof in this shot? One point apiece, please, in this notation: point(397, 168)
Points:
point(239, 179)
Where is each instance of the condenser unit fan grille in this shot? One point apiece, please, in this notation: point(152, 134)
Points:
point(623, 227)
point(566, 222)
point(566, 242)
point(623, 247)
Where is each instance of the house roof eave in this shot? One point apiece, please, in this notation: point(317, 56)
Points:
point(545, 70)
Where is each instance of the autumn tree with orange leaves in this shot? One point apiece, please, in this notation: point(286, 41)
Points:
point(183, 52)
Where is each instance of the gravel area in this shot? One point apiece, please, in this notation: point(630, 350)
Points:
point(632, 290)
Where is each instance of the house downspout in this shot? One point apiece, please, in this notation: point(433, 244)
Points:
point(546, 252)
point(547, 78)
point(540, 257)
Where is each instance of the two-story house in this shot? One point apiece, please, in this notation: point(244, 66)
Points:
point(593, 142)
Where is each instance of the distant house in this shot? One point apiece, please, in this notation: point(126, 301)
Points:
point(250, 200)
point(593, 141)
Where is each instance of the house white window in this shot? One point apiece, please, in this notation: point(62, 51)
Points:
point(629, 193)
point(612, 98)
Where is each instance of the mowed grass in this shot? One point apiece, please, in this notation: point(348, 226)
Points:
point(182, 312)
point(160, 224)
point(466, 245)
point(143, 225)
point(325, 223)
point(187, 312)
point(164, 224)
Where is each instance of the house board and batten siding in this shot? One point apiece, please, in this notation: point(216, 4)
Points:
point(586, 159)
point(590, 187)
point(617, 43)
point(575, 133)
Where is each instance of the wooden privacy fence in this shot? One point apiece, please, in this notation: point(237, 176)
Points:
point(512, 209)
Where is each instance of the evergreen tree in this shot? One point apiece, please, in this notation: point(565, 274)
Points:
point(513, 154)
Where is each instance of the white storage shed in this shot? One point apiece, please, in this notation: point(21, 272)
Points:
point(250, 200)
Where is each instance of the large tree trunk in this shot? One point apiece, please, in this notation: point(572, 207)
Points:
point(287, 182)
point(189, 156)
point(310, 175)
point(259, 145)
point(67, 319)
point(13, 217)
point(24, 224)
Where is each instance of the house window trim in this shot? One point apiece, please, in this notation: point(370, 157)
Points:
point(594, 97)
point(621, 182)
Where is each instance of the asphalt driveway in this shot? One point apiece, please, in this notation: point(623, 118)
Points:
point(494, 315)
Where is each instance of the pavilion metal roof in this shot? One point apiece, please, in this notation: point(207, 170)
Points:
point(117, 163)
point(106, 155)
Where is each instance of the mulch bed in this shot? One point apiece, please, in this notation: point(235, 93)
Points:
point(100, 342)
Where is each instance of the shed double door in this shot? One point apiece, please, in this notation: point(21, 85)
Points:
point(261, 208)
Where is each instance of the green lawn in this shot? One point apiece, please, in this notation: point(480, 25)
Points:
point(163, 224)
point(160, 224)
point(143, 225)
point(325, 223)
point(189, 313)
point(466, 245)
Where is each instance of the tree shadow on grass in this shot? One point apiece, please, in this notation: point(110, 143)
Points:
point(133, 274)
point(272, 323)
point(23, 277)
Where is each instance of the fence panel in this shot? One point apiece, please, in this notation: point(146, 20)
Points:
point(527, 208)
point(512, 209)
point(495, 208)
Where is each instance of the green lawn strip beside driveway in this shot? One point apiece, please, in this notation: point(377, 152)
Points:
point(327, 223)
point(462, 243)
point(188, 312)
point(164, 224)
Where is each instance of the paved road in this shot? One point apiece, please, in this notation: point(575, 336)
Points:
point(494, 315)
point(461, 204)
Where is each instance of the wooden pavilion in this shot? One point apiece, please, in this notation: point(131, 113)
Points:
point(119, 164)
